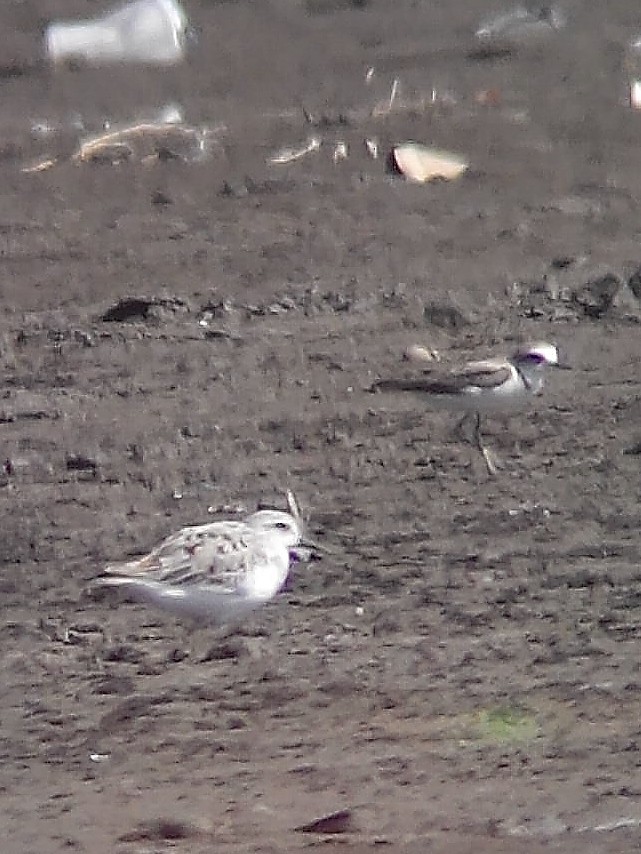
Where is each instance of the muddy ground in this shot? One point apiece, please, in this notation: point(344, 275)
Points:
point(462, 672)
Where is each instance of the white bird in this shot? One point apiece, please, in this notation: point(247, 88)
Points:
point(498, 385)
point(525, 24)
point(215, 573)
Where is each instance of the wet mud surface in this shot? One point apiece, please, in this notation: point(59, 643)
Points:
point(462, 671)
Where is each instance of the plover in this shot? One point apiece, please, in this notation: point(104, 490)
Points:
point(498, 385)
point(217, 573)
point(526, 24)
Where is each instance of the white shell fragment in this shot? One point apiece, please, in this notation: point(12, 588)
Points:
point(287, 155)
point(418, 353)
point(371, 146)
point(340, 151)
point(419, 163)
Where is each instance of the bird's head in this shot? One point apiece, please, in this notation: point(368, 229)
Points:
point(290, 527)
point(539, 355)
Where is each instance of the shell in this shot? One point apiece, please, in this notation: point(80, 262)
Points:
point(418, 353)
point(287, 155)
point(419, 163)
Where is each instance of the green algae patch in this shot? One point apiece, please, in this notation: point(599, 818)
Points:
point(504, 724)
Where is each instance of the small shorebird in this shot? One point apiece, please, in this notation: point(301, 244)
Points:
point(216, 573)
point(499, 385)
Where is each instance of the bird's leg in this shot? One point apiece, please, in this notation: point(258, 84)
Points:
point(195, 644)
point(458, 430)
point(195, 641)
point(490, 461)
point(184, 647)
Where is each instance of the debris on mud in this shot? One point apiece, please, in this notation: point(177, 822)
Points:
point(143, 142)
point(326, 119)
point(287, 155)
point(229, 648)
point(223, 317)
point(334, 823)
point(129, 655)
point(608, 295)
point(541, 298)
point(605, 295)
point(144, 308)
point(446, 315)
point(146, 142)
point(7, 417)
point(30, 465)
point(252, 187)
point(79, 462)
point(596, 297)
point(114, 684)
point(634, 283)
point(325, 7)
point(165, 829)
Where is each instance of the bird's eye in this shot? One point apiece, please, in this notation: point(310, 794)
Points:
point(536, 358)
point(282, 526)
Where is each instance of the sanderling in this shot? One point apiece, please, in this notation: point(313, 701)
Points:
point(499, 385)
point(216, 573)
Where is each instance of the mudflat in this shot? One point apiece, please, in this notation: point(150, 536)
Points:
point(461, 673)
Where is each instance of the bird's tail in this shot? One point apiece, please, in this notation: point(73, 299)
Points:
point(117, 575)
point(106, 580)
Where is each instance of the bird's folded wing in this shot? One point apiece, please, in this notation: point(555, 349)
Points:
point(483, 375)
point(193, 535)
point(217, 561)
point(478, 375)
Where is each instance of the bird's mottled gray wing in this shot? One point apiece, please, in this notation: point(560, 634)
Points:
point(216, 553)
point(454, 383)
point(483, 376)
point(219, 562)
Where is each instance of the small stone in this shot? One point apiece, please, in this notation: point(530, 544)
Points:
point(596, 297)
point(334, 823)
point(445, 316)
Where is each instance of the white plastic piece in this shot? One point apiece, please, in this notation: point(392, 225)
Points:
point(420, 163)
point(149, 32)
point(341, 151)
point(287, 155)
